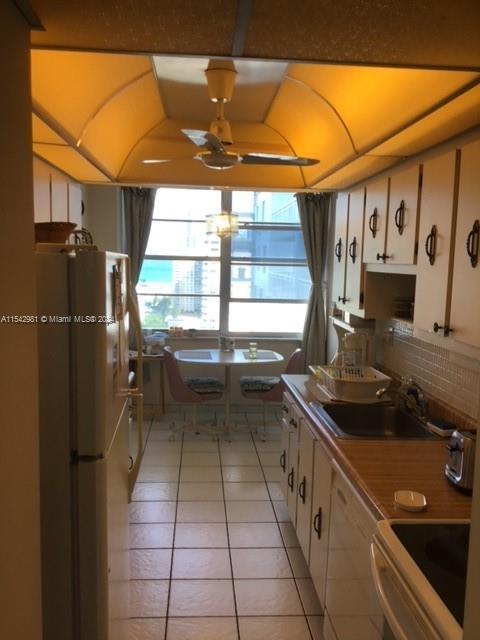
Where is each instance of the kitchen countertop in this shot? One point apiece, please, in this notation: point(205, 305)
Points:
point(378, 468)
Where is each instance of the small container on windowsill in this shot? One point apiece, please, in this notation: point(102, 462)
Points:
point(252, 350)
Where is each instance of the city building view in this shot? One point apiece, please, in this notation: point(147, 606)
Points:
point(257, 279)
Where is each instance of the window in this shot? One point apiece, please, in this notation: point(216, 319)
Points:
point(255, 282)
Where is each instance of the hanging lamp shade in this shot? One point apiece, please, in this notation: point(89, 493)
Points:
point(223, 224)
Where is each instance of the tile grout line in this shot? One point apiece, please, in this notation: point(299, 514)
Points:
point(283, 540)
point(228, 545)
point(173, 540)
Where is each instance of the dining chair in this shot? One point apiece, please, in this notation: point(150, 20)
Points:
point(193, 391)
point(269, 388)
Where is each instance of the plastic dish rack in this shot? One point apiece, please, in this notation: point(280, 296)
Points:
point(351, 384)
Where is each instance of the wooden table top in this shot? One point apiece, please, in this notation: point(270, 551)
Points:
point(378, 468)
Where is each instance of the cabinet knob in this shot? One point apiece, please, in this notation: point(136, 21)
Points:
point(372, 222)
point(446, 329)
point(473, 241)
point(383, 256)
point(342, 299)
point(400, 217)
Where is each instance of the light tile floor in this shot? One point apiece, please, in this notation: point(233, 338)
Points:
point(213, 554)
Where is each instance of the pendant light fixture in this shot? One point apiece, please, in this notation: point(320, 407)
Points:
point(223, 224)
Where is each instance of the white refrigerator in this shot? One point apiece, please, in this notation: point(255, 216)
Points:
point(84, 449)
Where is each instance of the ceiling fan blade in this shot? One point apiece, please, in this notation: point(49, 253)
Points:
point(204, 139)
point(267, 158)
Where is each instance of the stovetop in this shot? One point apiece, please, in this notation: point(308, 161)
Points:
point(440, 550)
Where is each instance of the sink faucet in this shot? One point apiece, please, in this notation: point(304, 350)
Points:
point(409, 396)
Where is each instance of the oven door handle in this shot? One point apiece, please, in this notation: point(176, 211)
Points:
point(384, 572)
point(379, 567)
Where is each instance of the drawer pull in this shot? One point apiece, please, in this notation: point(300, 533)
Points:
point(431, 245)
point(283, 461)
point(352, 249)
point(338, 250)
point(301, 489)
point(290, 479)
point(400, 217)
point(473, 241)
point(317, 523)
point(372, 222)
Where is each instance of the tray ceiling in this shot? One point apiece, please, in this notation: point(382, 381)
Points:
point(99, 116)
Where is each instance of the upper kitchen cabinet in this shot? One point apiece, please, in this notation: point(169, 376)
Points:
point(402, 224)
point(348, 252)
point(437, 224)
point(375, 221)
point(340, 249)
point(465, 304)
point(391, 215)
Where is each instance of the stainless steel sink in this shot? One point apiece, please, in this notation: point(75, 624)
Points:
point(371, 421)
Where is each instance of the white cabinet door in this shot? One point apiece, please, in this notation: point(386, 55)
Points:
point(340, 249)
point(375, 221)
point(292, 477)
point(322, 483)
point(403, 216)
point(354, 271)
point(465, 302)
point(435, 242)
point(351, 600)
point(305, 486)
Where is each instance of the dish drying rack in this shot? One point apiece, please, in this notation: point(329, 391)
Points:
point(351, 383)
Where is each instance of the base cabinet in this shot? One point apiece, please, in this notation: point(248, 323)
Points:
point(351, 602)
point(320, 520)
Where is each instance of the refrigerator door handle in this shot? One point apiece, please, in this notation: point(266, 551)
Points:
point(136, 392)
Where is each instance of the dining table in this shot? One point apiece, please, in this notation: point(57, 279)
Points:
point(227, 359)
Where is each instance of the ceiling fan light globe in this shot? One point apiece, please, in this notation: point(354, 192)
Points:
point(216, 160)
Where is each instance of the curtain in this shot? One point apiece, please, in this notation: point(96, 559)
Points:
point(137, 220)
point(314, 210)
point(137, 213)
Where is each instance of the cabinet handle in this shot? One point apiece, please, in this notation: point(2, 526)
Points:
point(317, 523)
point(343, 300)
point(338, 249)
point(473, 243)
point(130, 466)
point(431, 245)
point(383, 256)
point(352, 249)
point(446, 329)
point(301, 489)
point(293, 422)
point(290, 479)
point(372, 222)
point(283, 460)
point(284, 408)
point(400, 217)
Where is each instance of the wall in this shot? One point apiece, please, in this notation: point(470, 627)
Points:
point(19, 476)
point(451, 379)
point(102, 216)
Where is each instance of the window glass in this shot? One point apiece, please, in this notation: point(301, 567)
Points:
point(189, 312)
point(280, 282)
point(179, 277)
point(266, 317)
point(186, 204)
point(181, 239)
point(251, 206)
point(273, 243)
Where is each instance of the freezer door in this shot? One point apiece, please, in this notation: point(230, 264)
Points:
point(100, 347)
point(102, 543)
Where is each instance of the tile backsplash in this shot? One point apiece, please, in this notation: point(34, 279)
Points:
point(451, 381)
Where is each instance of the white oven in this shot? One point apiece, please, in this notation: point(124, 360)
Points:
point(408, 557)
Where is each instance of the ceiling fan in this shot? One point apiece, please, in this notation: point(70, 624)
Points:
point(220, 80)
